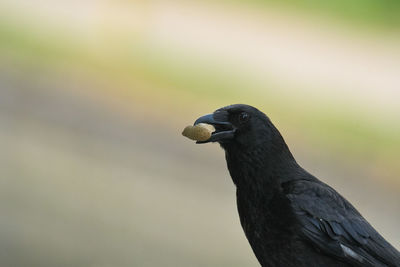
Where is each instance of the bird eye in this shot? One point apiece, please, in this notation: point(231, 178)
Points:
point(243, 117)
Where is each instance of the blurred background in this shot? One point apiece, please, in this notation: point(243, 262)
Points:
point(94, 95)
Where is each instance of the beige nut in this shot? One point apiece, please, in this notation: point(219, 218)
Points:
point(199, 132)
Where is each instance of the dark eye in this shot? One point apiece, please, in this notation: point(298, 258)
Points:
point(243, 117)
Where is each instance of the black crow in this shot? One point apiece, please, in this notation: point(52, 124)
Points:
point(290, 218)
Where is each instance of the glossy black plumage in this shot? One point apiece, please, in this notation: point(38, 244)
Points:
point(290, 217)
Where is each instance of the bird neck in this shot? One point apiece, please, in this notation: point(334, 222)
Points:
point(262, 167)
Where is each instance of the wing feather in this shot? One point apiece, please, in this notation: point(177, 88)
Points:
point(332, 225)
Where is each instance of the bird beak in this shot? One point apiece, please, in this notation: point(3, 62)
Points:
point(224, 130)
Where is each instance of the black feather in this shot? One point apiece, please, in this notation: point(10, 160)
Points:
point(290, 217)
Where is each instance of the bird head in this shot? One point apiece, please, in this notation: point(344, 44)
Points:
point(238, 125)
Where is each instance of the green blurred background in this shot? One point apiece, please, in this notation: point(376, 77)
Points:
point(94, 95)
